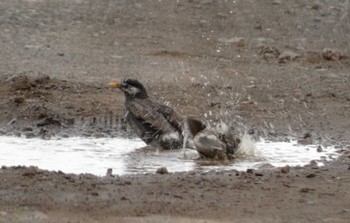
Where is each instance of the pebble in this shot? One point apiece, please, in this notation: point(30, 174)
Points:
point(18, 100)
point(315, 6)
point(162, 170)
point(94, 193)
point(285, 169)
point(307, 141)
point(27, 129)
point(29, 135)
point(250, 171)
point(307, 135)
point(306, 189)
point(319, 149)
point(264, 166)
point(311, 175)
point(313, 163)
point(259, 174)
point(109, 172)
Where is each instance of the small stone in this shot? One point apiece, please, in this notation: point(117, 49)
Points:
point(30, 173)
point(94, 193)
point(18, 100)
point(250, 171)
point(306, 189)
point(109, 172)
point(258, 27)
point(315, 6)
point(307, 135)
point(313, 163)
point(285, 169)
point(27, 129)
point(264, 166)
point(319, 149)
point(49, 121)
point(162, 170)
point(251, 131)
point(307, 141)
point(29, 135)
point(311, 175)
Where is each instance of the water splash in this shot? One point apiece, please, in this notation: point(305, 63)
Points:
point(247, 147)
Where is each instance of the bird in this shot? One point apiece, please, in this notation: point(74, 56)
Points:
point(156, 124)
point(211, 144)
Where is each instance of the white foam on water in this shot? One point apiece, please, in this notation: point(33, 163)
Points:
point(126, 156)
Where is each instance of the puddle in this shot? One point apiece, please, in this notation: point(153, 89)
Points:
point(124, 156)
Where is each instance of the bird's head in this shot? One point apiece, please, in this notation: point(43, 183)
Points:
point(132, 88)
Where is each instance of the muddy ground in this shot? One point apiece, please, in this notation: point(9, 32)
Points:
point(277, 69)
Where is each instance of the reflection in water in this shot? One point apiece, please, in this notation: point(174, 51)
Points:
point(127, 156)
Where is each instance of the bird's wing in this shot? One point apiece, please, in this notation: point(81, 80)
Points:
point(153, 115)
point(175, 119)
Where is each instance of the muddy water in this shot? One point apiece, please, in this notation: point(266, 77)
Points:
point(126, 156)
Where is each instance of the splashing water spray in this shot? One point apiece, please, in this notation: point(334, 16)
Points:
point(247, 146)
point(185, 133)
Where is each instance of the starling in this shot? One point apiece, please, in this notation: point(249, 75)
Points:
point(211, 144)
point(156, 124)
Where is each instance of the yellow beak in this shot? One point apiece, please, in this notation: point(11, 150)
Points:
point(113, 85)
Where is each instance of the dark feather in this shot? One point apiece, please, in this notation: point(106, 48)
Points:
point(155, 124)
point(154, 117)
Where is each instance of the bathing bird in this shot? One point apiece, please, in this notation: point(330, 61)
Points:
point(211, 144)
point(157, 125)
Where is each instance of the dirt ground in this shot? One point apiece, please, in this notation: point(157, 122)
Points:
point(276, 69)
